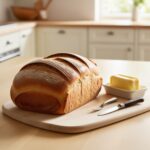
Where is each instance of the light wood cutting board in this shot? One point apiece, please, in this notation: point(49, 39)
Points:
point(80, 120)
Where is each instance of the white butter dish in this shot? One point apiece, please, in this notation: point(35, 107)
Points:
point(135, 94)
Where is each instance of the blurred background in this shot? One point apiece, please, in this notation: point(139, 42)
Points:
point(82, 9)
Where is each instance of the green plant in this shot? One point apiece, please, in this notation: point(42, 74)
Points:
point(138, 2)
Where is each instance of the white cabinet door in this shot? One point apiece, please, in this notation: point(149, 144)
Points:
point(27, 42)
point(143, 44)
point(53, 40)
point(144, 52)
point(144, 36)
point(9, 42)
point(111, 51)
point(9, 46)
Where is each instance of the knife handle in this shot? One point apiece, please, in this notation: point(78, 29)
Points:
point(132, 102)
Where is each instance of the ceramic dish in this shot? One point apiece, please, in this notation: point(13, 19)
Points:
point(136, 94)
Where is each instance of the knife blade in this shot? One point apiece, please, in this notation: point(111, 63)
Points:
point(121, 106)
point(105, 103)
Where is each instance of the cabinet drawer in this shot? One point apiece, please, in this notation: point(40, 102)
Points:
point(62, 39)
point(144, 52)
point(26, 33)
point(144, 36)
point(111, 51)
point(9, 42)
point(111, 35)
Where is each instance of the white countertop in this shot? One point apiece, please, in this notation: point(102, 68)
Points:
point(14, 27)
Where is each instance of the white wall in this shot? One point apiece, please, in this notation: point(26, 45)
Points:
point(71, 10)
point(5, 13)
point(66, 9)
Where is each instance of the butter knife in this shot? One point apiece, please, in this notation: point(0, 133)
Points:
point(107, 102)
point(120, 106)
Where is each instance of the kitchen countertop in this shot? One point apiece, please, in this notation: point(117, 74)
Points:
point(131, 134)
point(110, 23)
point(18, 26)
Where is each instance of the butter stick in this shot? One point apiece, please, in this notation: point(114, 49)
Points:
point(124, 82)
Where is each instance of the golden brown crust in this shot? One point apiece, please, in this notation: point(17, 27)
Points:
point(57, 84)
point(78, 66)
point(40, 76)
point(87, 62)
point(67, 73)
point(33, 102)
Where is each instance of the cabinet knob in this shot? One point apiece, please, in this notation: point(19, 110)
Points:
point(129, 49)
point(24, 36)
point(8, 43)
point(61, 31)
point(110, 33)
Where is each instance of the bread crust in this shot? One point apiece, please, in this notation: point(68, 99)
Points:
point(56, 84)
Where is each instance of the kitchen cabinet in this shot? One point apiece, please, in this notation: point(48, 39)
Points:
point(111, 43)
point(61, 39)
point(17, 43)
point(10, 41)
point(27, 42)
point(108, 51)
point(144, 52)
point(9, 46)
point(143, 44)
point(143, 36)
point(111, 35)
point(93, 42)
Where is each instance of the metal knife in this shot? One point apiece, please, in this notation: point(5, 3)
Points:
point(105, 103)
point(120, 106)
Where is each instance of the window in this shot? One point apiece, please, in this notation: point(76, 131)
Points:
point(146, 8)
point(119, 9)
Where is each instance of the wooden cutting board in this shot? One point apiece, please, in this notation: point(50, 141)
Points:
point(80, 120)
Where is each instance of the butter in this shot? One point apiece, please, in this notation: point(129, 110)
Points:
point(124, 82)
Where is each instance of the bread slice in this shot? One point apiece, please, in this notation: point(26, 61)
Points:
point(56, 84)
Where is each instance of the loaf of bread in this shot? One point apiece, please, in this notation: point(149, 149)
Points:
point(56, 84)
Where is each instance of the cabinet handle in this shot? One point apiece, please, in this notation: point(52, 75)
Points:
point(8, 43)
point(24, 36)
point(61, 31)
point(110, 33)
point(129, 49)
